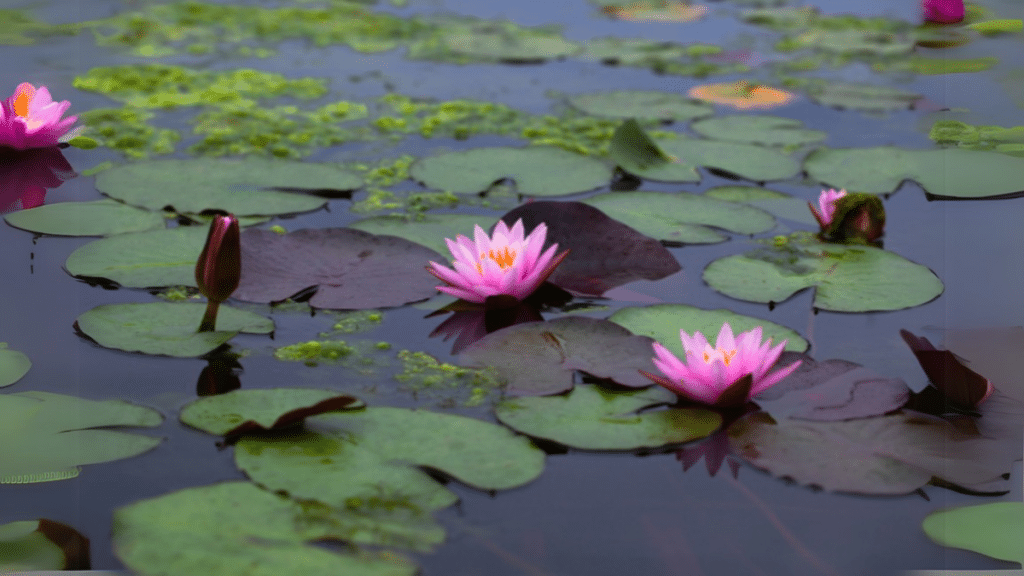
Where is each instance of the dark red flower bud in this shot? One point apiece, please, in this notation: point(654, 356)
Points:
point(948, 375)
point(220, 264)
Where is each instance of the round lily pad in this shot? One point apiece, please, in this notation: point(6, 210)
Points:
point(99, 218)
point(862, 96)
point(664, 321)
point(242, 187)
point(46, 436)
point(238, 529)
point(771, 201)
point(681, 217)
point(142, 259)
point(166, 328)
point(744, 160)
point(770, 130)
point(13, 365)
point(430, 230)
point(845, 278)
point(593, 418)
point(242, 411)
point(537, 171)
point(990, 529)
point(647, 104)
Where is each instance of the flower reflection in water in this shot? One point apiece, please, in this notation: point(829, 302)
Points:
point(26, 175)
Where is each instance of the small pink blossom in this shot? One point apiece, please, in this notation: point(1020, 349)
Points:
point(31, 119)
point(827, 202)
point(943, 11)
point(711, 371)
point(505, 263)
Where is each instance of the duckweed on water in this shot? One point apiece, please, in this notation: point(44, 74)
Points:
point(423, 373)
point(312, 352)
point(127, 129)
point(357, 321)
point(956, 133)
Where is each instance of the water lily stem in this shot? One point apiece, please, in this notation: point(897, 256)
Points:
point(210, 317)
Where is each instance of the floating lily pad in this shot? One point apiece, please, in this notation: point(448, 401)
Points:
point(636, 153)
point(642, 104)
point(742, 94)
point(996, 27)
point(603, 253)
point(238, 529)
point(922, 65)
point(681, 217)
point(862, 96)
point(770, 130)
point(656, 11)
point(166, 328)
point(537, 171)
point(13, 365)
point(593, 418)
point(350, 268)
point(771, 201)
point(142, 259)
point(247, 187)
point(845, 278)
point(430, 230)
point(894, 454)
point(99, 218)
point(42, 545)
point(990, 529)
point(464, 40)
point(664, 321)
point(831, 390)
point(46, 436)
point(264, 409)
point(744, 160)
point(953, 172)
point(559, 347)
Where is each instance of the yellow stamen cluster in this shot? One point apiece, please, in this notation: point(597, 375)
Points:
point(504, 258)
point(724, 355)
point(21, 103)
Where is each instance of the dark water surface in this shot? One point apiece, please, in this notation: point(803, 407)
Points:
point(592, 514)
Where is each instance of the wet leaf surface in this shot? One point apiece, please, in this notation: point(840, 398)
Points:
point(99, 218)
point(992, 529)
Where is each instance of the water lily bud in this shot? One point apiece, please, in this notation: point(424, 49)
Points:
point(943, 11)
point(220, 264)
point(856, 218)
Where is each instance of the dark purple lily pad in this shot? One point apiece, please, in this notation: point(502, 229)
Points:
point(350, 268)
point(831, 390)
point(603, 253)
point(948, 375)
point(555, 349)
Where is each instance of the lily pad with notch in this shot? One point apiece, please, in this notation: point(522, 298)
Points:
point(264, 409)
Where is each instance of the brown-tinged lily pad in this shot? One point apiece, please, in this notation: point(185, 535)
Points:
point(948, 374)
point(42, 545)
point(555, 349)
point(351, 269)
point(603, 253)
point(239, 412)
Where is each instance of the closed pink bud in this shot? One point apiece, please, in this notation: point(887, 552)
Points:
point(943, 11)
point(220, 264)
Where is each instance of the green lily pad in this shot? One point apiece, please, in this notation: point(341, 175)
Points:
point(644, 104)
point(464, 40)
point(264, 409)
point(42, 545)
point(238, 529)
point(237, 186)
point(744, 160)
point(593, 418)
point(771, 201)
point(952, 172)
point(537, 171)
point(46, 436)
point(768, 130)
point(632, 148)
point(681, 217)
point(142, 259)
point(13, 365)
point(922, 65)
point(990, 529)
point(558, 348)
point(845, 278)
point(664, 321)
point(894, 454)
point(861, 96)
point(166, 328)
point(99, 218)
point(996, 27)
point(429, 230)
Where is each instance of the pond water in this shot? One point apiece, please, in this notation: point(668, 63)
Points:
point(589, 512)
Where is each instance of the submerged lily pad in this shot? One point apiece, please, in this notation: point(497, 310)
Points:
point(13, 365)
point(990, 529)
point(603, 253)
point(166, 328)
point(46, 436)
point(350, 268)
point(647, 104)
point(264, 409)
point(537, 171)
point(681, 217)
point(952, 173)
point(430, 230)
point(559, 347)
point(845, 278)
point(245, 187)
point(593, 418)
point(663, 322)
point(42, 545)
point(238, 529)
point(894, 454)
point(99, 218)
point(769, 130)
point(142, 259)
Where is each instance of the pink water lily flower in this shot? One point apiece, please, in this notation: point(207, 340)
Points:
point(718, 376)
point(827, 202)
point(503, 264)
point(31, 119)
point(943, 11)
